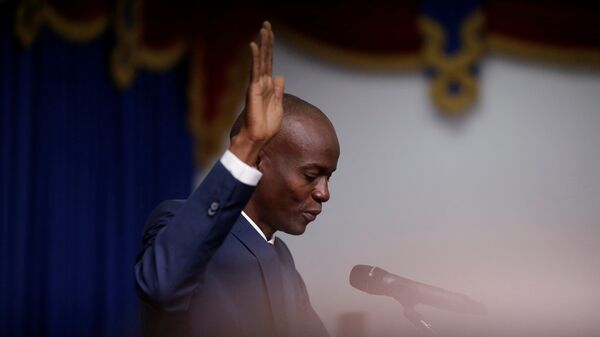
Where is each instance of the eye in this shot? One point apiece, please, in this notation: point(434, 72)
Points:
point(310, 177)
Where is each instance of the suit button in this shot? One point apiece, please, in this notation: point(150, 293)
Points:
point(214, 207)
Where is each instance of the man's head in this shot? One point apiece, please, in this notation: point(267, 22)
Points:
point(296, 165)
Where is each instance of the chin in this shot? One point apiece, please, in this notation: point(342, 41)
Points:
point(297, 229)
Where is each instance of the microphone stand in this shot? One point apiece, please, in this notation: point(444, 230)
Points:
point(419, 321)
point(414, 316)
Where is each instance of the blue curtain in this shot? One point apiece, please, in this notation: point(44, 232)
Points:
point(81, 165)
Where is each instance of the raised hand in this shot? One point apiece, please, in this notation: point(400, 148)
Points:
point(264, 101)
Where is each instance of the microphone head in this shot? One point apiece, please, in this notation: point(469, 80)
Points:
point(376, 281)
point(369, 279)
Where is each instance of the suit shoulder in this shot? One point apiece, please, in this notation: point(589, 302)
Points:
point(172, 205)
point(159, 217)
point(165, 209)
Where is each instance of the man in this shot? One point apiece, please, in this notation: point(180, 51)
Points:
point(210, 265)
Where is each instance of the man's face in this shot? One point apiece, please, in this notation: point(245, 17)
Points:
point(296, 169)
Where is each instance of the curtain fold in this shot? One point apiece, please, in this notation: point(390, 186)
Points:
point(81, 165)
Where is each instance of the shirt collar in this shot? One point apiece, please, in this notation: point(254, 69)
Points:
point(272, 241)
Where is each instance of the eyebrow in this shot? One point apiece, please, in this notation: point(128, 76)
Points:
point(319, 167)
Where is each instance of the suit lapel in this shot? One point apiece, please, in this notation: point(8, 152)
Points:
point(270, 267)
point(288, 275)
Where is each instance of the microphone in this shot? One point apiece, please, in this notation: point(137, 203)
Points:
point(376, 281)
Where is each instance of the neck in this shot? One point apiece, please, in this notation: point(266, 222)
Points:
point(250, 210)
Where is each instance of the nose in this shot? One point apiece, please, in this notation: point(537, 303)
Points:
point(321, 191)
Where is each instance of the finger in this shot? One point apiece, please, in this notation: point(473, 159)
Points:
point(267, 25)
point(264, 44)
point(255, 62)
point(269, 69)
point(279, 88)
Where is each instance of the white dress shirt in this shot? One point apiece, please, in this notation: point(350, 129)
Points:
point(247, 175)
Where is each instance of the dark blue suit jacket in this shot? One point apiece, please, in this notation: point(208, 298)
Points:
point(205, 271)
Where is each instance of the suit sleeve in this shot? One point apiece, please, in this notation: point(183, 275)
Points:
point(181, 237)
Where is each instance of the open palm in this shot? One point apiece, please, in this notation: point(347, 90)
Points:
point(264, 107)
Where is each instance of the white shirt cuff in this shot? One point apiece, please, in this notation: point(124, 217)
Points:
point(240, 170)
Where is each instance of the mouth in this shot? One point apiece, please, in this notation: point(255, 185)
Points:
point(311, 215)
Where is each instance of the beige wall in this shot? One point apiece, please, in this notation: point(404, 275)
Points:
point(503, 206)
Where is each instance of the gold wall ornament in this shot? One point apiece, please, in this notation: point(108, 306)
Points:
point(163, 58)
point(124, 59)
point(130, 54)
point(31, 15)
point(453, 71)
point(75, 31)
point(579, 57)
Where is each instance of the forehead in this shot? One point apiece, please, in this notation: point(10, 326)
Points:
point(308, 140)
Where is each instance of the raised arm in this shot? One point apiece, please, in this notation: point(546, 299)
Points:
point(264, 107)
point(181, 237)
